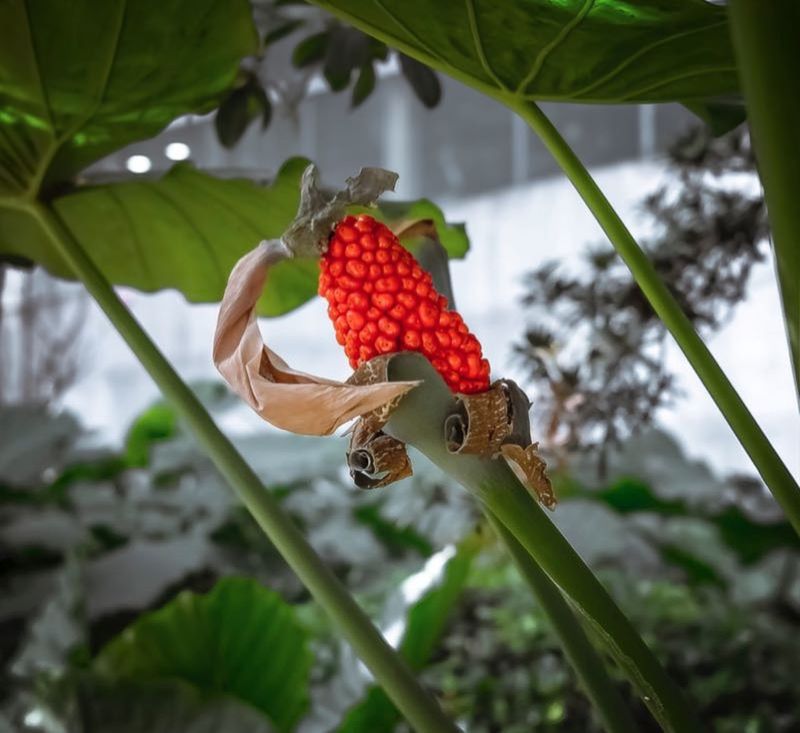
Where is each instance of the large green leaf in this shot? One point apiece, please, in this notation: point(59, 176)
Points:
point(80, 79)
point(425, 624)
point(187, 229)
point(240, 640)
point(608, 51)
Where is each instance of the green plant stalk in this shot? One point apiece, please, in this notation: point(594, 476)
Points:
point(583, 657)
point(588, 664)
point(390, 670)
point(419, 421)
point(768, 463)
point(765, 38)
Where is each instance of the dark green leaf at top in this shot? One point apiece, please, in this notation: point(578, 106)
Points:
point(261, 99)
point(566, 50)
point(81, 79)
point(348, 50)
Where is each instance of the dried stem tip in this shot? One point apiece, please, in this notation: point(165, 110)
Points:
point(320, 210)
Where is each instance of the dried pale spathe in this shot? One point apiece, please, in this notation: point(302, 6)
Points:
point(287, 398)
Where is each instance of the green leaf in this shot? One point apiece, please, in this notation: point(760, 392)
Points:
point(233, 117)
point(260, 96)
point(239, 109)
point(348, 50)
point(425, 624)
point(720, 116)
point(422, 80)
point(364, 85)
point(608, 51)
point(185, 231)
point(396, 540)
point(81, 79)
point(158, 422)
point(240, 640)
point(311, 49)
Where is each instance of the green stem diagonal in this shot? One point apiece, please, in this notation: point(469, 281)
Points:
point(764, 457)
point(587, 663)
point(391, 672)
point(767, 44)
point(419, 421)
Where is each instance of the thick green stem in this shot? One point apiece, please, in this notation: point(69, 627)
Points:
point(766, 37)
point(419, 421)
point(391, 672)
point(587, 663)
point(768, 463)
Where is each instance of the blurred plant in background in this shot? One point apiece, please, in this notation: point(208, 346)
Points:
point(40, 344)
point(95, 540)
point(342, 55)
point(594, 347)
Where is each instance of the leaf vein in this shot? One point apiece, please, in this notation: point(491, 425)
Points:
point(204, 240)
point(209, 192)
point(409, 32)
point(137, 242)
point(665, 82)
point(478, 43)
point(550, 47)
point(42, 91)
point(641, 52)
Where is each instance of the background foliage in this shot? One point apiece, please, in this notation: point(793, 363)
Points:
point(705, 567)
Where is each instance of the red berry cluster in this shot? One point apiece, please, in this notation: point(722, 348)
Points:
point(381, 301)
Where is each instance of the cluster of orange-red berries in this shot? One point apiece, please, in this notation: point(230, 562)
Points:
point(381, 301)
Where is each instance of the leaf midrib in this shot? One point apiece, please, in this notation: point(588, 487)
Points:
point(34, 187)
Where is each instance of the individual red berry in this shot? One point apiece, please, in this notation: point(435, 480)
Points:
point(381, 301)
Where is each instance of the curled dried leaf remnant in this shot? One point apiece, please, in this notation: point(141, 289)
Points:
point(495, 423)
point(376, 459)
point(479, 424)
point(531, 470)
